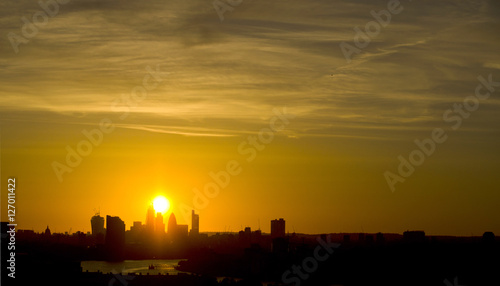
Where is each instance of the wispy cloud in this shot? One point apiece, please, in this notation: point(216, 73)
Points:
point(264, 55)
point(177, 130)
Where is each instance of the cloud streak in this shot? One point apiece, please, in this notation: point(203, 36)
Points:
point(263, 55)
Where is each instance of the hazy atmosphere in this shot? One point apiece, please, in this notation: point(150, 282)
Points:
point(268, 109)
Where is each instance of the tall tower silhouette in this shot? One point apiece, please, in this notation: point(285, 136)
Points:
point(172, 224)
point(278, 228)
point(115, 237)
point(97, 224)
point(150, 219)
point(159, 225)
point(195, 223)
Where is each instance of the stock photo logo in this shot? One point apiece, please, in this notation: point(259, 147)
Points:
point(94, 137)
point(39, 19)
point(427, 146)
point(371, 30)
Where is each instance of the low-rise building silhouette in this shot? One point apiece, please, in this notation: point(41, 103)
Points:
point(414, 236)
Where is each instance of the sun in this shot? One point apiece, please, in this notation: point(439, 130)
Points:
point(161, 204)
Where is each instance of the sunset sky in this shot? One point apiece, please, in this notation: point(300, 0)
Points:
point(211, 84)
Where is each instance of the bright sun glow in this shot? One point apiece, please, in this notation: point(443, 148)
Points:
point(161, 204)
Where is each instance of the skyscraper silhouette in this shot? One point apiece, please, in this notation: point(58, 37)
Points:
point(277, 228)
point(195, 223)
point(159, 225)
point(150, 219)
point(97, 224)
point(115, 237)
point(172, 225)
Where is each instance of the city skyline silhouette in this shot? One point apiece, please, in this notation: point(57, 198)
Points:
point(249, 143)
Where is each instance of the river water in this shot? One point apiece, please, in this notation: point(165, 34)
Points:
point(133, 266)
point(161, 266)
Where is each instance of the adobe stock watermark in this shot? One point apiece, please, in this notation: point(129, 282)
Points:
point(455, 282)
point(372, 29)
point(310, 264)
point(118, 277)
point(222, 6)
point(94, 137)
point(427, 146)
point(40, 18)
point(249, 148)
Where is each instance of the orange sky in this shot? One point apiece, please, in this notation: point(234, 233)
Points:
point(183, 92)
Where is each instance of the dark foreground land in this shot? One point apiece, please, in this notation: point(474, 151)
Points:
point(312, 260)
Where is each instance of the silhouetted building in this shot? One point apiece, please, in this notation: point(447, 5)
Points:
point(195, 223)
point(97, 225)
point(182, 231)
point(369, 238)
point(414, 236)
point(277, 228)
point(115, 237)
point(150, 219)
point(347, 238)
point(380, 237)
point(173, 231)
point(488, 237)
point(257, 236)
point(245, 236)
point(136, 227)
point(280, 245)
point(159, 225)
point(361, 237)
point(172, 224)
point(47, 231)
point(136, 231)
point(176, 232)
